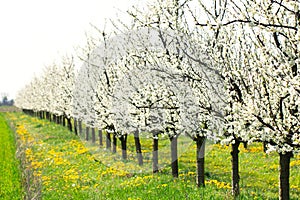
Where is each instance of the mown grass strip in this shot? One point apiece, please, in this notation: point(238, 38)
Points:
point(10, 175)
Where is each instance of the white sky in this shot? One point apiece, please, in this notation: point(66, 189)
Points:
point(34, 33)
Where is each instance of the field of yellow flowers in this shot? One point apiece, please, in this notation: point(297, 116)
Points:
point(56, 164)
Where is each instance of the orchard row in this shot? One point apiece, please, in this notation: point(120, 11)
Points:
point(225, 70)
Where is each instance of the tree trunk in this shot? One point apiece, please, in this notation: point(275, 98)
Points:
point(284, 182)
point(174, 156)
point(108, 141)
point(75, 126)
point(114, 144)
point(63, 118)
point(123, 140)
point(138, 147)
point(155, 155)
point(245, 145)
point(200, 142)
point(100, 137)
point(265, 146)
point(58, 119)
point(47, 116)
point(80, 126)
point(87, 130)
point(69, 124)
point(93, 135)
point(235, 168)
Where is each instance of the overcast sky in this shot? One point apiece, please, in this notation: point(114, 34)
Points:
point(34, 33)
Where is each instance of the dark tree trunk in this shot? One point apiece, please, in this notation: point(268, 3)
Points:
point(245, 145)
point(174, 156)
point(100, 137)
point(63, 118)
point(69, 120)
point(235, 168)
point(265, 146)
point(200, 153)
point(75, 126)
point(58, 119)
point(80, 126)
point(48, 116)
point(93, 135)
point(87, 130)
point(284, 177)
point(114, 150)
point(123, 140)
point(138, 147)
point(155, 154)
point(108, 141)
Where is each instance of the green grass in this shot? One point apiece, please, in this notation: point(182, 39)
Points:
point(10, 176)
point(66, 167)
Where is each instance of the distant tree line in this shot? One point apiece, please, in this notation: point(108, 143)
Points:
point(6, 102)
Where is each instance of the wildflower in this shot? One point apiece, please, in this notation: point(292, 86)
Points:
point(36, 164)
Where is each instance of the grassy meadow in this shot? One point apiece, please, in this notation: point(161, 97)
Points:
point(10, 174)
point(59, 165)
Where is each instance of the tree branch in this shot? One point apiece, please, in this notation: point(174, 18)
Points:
point(253, 22)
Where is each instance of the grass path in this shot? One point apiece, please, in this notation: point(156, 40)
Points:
point(10, 175)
